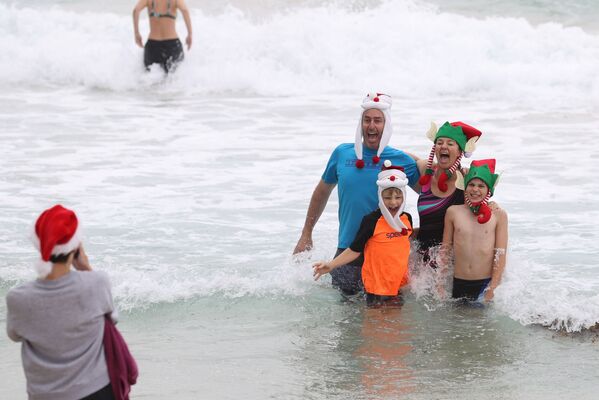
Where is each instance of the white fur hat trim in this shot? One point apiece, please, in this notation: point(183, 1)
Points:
point(392, 178)
point(380, 102)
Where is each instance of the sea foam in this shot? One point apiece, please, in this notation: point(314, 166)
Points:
point(407, 47)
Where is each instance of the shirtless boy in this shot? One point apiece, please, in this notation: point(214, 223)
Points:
point(477, 235)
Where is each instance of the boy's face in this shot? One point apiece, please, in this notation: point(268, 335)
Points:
point(476, 190)
point(392, 199)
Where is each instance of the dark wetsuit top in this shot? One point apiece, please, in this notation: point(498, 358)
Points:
point(431, 210)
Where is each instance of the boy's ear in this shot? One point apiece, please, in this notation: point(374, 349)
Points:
point(459, 181)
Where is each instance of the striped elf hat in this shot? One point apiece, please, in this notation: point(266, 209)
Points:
point(464, 135)
point(485, 171)
point(383, 103)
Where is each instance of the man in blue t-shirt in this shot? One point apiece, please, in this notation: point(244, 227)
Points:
point(354, 168)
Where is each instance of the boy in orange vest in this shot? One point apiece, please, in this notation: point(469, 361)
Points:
point(383, 237)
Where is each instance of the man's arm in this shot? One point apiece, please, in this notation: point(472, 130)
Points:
point(501, 238)
point(141, 4)
point(185, 11)
point(318, 202)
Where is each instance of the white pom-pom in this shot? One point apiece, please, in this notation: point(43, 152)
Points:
point(43, 268)
point(388, 163)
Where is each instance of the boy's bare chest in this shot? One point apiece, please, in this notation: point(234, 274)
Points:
point(467, 226)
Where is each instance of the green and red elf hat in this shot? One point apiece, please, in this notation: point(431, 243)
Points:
point(485, 171)
point(464, 135)
point(382, 102)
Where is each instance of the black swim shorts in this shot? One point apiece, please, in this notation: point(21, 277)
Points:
point(164, 52)
point(469, 290)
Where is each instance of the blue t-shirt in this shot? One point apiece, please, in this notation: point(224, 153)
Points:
point(357, 188)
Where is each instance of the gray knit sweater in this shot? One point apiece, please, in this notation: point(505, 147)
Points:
point(61, 326)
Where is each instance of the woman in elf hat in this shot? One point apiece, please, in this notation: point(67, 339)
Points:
point(438, 179)
point(59, 318)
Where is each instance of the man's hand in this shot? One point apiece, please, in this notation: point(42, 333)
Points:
point(303, 244)
point(188, 41)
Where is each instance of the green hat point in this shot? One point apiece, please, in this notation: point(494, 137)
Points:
point(454, 133)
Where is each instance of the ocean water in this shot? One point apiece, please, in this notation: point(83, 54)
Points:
point(192, 189)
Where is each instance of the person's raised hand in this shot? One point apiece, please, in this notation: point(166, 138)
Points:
point(80, 261)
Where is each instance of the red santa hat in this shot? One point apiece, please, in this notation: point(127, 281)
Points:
point(56, 232)
point(383, 103)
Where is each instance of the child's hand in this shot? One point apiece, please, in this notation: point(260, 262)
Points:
point(442, 294)
point(489, 294)
point(321, 268)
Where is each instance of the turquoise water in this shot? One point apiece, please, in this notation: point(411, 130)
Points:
point(192, 190)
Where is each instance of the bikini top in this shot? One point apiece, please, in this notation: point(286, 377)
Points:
point(168, 14)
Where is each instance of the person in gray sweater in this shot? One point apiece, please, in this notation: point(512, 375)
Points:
point(59, 318)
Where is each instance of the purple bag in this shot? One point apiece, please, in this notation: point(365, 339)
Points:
point(122, 368)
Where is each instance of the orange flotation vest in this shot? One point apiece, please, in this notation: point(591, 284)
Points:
point(386, 255)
